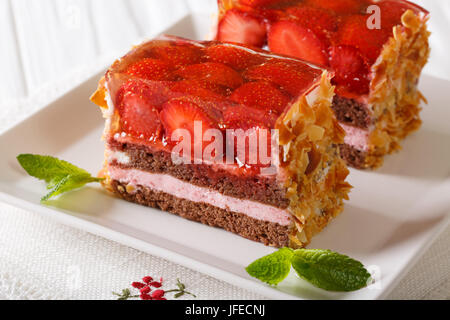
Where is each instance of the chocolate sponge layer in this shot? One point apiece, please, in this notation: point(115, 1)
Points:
point(269, 233)
point(353, 157)
point(351, 112)
point(260, 189)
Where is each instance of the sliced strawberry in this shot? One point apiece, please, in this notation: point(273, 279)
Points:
point(138, 106)
point(182, 114)
point(354, 32)
point(254, 123)
point(340, 6)
point(261, 94)
point(260, 3)
point(249, 154)
point(213, 108)
point(392, 11)
point(205, 84)
point(140, 120)
point(179, 54)
point(295, 78)
point(150, 69)
point(242, 27)
point(351, 69)
point(242, 117)
point(232, 56)
point(290, 38)
point(155, 93)
point(195, 89)
point(213, 72)
point(271, 15)
point(190, 87)
point(321, 22)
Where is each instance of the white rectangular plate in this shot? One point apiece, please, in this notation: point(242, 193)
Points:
point(394, 213)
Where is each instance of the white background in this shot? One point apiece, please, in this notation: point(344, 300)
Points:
point(46, 47)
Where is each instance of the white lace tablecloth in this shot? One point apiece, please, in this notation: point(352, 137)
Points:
point(48, 46)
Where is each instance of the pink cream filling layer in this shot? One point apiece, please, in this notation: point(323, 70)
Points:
point(356, 137)
point(180, 189)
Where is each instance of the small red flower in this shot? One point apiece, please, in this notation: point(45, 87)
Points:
point(158, 294)
point(138, 285)
point(145, 289)
point(145, 296)
point(155, 284)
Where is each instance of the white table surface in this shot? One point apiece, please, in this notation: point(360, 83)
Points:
point(48, 46)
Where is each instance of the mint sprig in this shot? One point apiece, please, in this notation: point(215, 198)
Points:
point(325, 269)
point(273, 268)
point(60, 176)
point(330, 270)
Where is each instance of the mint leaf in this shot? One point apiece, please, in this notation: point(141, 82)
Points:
point(48, 168)
point(272, 268)
point(323, 268)
point(60, 176)
point(329, 270)
point(68, 183)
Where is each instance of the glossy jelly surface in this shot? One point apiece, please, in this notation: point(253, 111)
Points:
point(346, 35)
point(172, 83)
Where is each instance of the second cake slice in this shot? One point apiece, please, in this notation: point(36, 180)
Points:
point(377, 49)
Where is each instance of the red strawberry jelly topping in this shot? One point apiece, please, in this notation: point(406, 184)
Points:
point(258, 3)
point(242, 27)
point(198, 88)
point(149, 68)
point(350, 68)
point(392, 11)
point(261, 94)
point(161, 86)
point(293, 39)
point(339, 6)
point(213, 72)
point(289, 76)
point(236, 58)
point(178, 55)
point(138, 104)
point(236, 117)
point(256, 124)
point(182, 114)
point(322, 22)
point(312, 29)
point(354, 32)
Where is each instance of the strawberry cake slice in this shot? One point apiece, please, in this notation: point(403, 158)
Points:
point(377, 50)
point(227, 135)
